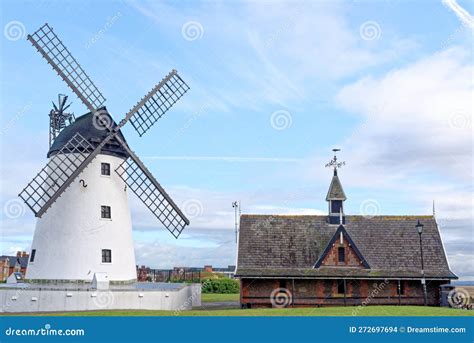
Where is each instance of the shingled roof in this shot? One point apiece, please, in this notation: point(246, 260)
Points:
point(335, 191)
point(289, 246)
point(13, 260)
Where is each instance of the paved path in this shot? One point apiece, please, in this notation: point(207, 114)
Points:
point(218, 305)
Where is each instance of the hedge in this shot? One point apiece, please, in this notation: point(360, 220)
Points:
point(220, 286)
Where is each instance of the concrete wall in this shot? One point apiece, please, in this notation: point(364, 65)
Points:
point(47, 300)
point(196, 294)
point(70, 236)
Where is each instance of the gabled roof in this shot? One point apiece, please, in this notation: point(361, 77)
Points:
point(335, 191)
point(333, 240)
point(23, 261)
point(9, 258)
point(13, 260)
point(271, 245)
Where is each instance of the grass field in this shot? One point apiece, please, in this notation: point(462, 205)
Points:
point(219, 297)
point(324, 311)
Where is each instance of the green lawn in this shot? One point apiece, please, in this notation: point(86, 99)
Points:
point(219, 297)
point(324, 311)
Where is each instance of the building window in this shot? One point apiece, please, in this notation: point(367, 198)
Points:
point(33, 253)
point(401, 288)
point(341, 254)
point(106, 256)
point(336, 206)
point(105, 212)
point(340, 287)
point(105, 169)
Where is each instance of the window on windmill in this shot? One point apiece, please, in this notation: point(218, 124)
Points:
point(342, 254)
point(105, 212)
point(105, 169)
point(106, 256)
point(33, 253)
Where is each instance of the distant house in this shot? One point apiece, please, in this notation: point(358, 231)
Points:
point(339, 259)
point(11, 264)
point(228, 271)
point(181, 273)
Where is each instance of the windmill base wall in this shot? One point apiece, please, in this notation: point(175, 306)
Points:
point(35, 299)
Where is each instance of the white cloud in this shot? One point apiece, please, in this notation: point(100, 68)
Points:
point(272, 53)
point(418, 116)
point(415, 138)
point(225, 158)
point(158, 254)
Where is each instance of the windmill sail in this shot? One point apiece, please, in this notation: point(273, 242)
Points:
point(63, 168)
point(157, 102)
point(54, 51)
point(45, 185)
point(150, 192)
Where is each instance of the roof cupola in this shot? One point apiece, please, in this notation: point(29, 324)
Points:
point(336, 195)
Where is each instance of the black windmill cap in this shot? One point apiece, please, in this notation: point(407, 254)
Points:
point(87, 126)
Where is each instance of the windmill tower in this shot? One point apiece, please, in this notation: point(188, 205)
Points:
point(80, 196)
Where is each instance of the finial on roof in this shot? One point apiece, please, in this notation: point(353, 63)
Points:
point(334, 163)
point(335, 191)
point(434, 211)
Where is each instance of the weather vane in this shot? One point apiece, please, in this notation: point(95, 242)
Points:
point(334, 163)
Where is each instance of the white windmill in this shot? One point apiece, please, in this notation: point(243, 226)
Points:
point(80, 196)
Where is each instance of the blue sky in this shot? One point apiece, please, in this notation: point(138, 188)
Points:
point(274, 86)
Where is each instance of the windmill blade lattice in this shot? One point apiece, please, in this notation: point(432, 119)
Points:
point(56, 172)
point(64, 167)
point(157, 102)
point(54, 51)
point(150, 192)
